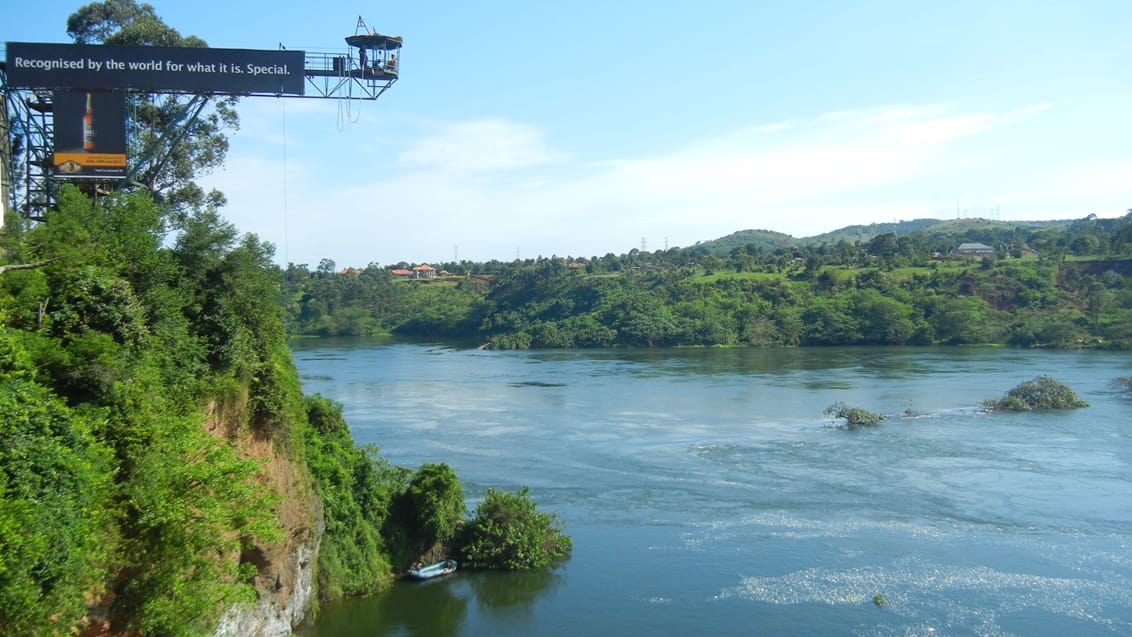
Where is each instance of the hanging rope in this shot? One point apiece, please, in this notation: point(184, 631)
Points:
point(286, 261)
point(346, 116)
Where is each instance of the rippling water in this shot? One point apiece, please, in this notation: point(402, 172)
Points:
point(707, 494)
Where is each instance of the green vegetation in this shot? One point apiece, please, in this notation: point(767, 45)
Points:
point(143, 360)
point(111, 487)
point(356, 487)
point(854, 416)
point(1064, 285)
point(434, 506)
point(156, 451)
point(167, 175)
point(1042, 392)
point(508, 532)
point(54, 485)
point(137, 370)
point(136, 354)
point(380, 519)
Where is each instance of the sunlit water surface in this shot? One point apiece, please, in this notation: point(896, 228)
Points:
point(706, 492)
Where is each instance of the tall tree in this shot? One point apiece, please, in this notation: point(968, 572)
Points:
point(174, 139)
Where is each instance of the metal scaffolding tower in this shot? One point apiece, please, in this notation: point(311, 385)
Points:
point(366, 68)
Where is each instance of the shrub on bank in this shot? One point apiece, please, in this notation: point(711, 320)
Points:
point(509, 533)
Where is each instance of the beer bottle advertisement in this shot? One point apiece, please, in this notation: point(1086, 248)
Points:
point(90, 134)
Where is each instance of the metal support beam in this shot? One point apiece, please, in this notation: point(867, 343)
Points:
point(5, 153)
point(166, 142)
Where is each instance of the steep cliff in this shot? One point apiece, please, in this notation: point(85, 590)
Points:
point(153, 477)
point(286, 570)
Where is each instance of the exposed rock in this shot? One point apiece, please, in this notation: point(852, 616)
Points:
point(282, 606)
point(285, 582)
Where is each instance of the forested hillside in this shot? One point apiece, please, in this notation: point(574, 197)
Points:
point(131, 373)
point(1034, 286)
point(158, 462)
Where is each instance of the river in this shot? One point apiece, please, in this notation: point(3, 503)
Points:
point(707, 493)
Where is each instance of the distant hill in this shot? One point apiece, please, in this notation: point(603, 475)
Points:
point(931, 227)
point(742, 238)
point(863, 233)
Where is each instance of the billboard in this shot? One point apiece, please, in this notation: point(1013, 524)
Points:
point(90, 134)
point(154, 68)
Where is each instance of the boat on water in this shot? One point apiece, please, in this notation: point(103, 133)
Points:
point(432, 570)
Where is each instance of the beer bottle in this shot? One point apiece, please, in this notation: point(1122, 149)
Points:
point(88, 126)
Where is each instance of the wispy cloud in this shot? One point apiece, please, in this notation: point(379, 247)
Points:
point(481, 146)
point(493, 186)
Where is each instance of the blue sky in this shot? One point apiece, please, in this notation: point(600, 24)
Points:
point(581, 128)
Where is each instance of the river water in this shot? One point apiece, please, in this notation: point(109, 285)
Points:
point(706, 492)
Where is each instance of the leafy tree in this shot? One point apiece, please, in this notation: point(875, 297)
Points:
point(883, 320)
point(508, 532)
point(646, 322)
point(830, 321)
point(960, 320)
point(357, 488)
point(193, 506)
point(326, 267)
point(884, 246)
point(54, 502)
point(434, 503)
point(115, 369)
point(168, 167)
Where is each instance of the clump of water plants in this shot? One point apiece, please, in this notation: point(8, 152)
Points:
point(880, 600)
point(1042, 392)
point(1124, 382)
point(854, 416)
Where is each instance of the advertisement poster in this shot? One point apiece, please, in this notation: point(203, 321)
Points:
point(90, 134)
point(154, 68)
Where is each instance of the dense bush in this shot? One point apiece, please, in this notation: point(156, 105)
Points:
point(854, 416)
point(433, 506)
point(112, 491)
point(54, 504)
point(508, 532)
point(1042, 392)
point(356, 486)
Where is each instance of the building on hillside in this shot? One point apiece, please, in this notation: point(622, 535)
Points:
point(974, 251)
point(403, 274)
point(424, 271)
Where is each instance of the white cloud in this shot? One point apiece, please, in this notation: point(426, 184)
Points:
point(482, 146)
point(493, 186)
